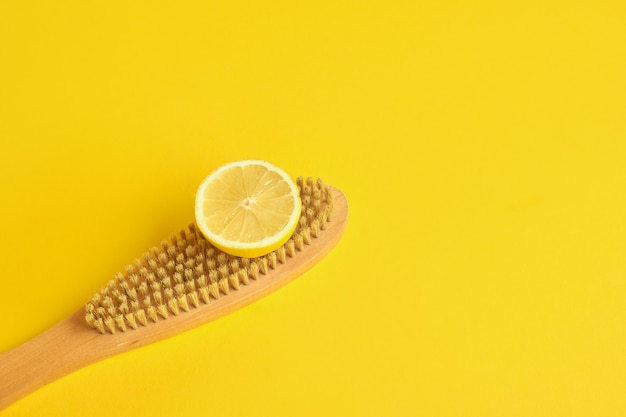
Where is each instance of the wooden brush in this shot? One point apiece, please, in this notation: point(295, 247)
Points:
point(178, 285)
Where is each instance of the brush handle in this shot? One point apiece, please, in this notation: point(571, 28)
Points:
point(57, 351)
point(72, 344)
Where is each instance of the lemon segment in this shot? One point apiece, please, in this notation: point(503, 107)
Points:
point(248, 208)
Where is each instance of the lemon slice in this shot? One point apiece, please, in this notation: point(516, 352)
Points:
point(248, 208)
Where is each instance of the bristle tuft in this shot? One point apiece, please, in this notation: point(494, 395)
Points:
point(243, 276)
point(223, 283)
point(140, 315)
point(234, 281)
point(204, 294)
point(281, 254)
point(214, 290)
point(195, 300)
point(271, 260)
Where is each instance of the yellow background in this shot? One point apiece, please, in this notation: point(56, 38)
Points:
point(482, 149)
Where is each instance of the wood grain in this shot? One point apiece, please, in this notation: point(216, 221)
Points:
point(72, 344)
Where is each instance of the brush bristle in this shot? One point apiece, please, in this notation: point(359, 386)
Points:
point(186, 271)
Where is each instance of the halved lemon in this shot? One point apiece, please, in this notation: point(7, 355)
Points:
point(248, 208)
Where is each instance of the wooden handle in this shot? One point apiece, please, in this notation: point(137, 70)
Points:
point(54, 353)
point(72, 344)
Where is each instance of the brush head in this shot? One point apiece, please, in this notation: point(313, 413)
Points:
point(187, 271)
